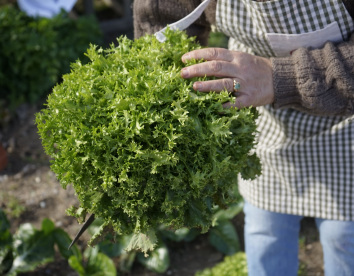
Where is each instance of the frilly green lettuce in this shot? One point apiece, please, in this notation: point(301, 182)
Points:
point(141, 147)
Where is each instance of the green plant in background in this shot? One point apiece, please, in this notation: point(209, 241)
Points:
point(158, 260)
point(235, 265)
point(92, 263)
point(29, 247)
point(12, 207)
point(35, 52)
point(140, 147)
point(222, 236)
point(218, 39)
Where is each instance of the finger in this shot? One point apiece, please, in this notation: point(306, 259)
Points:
point(209, 54)
point(241, 100)
point(214, 85)
point(209, 68)
point(237, 103)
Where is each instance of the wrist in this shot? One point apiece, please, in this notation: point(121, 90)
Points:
point(284, 83)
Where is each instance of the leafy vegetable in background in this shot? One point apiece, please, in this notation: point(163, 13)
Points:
point(140, 146)
point(35, 52)
point(222, 236)
point(29, 247)
point(235, 265)
point(95, 264)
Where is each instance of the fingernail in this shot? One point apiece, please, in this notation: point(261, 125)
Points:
point(185, 57)
point(185, 73)
point(198, 86)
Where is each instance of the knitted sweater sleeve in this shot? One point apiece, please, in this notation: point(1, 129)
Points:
point(317, 81)
point(151, 16)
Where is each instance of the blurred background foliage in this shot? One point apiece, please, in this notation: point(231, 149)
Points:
point(35, 52)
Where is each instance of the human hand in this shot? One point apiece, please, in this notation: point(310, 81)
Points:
point(252, 72)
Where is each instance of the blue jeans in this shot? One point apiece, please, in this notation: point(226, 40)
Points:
point(271, 243)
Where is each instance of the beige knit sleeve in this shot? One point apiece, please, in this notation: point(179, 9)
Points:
point(319, 81)
point(151, 16)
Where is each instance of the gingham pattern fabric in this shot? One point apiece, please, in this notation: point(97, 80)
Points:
point(307, 161)
point(248, 21)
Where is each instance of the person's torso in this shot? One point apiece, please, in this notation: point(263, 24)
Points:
point(307, 160)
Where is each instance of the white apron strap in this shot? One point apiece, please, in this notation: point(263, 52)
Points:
point(185, 22)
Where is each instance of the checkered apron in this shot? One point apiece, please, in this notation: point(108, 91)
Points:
point(308, 161)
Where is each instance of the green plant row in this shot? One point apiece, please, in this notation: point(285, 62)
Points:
point(35, 52)
point(235, 265)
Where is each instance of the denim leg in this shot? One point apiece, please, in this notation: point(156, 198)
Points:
point(337, 239)
point(271, 242)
